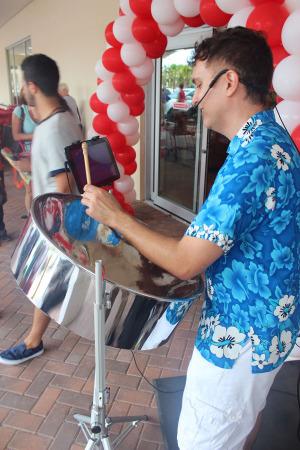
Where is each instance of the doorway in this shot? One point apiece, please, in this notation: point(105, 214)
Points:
point(184, 156)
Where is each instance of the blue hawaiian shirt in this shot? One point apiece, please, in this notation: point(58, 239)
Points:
point(253, 214)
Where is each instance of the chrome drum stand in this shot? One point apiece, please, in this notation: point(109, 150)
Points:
point(96, 427)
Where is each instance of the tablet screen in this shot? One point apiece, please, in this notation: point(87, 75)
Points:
point(103, 166)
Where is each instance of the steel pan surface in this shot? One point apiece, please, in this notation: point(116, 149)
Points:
point(56, 272)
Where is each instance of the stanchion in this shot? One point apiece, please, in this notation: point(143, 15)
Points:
point(96, 427)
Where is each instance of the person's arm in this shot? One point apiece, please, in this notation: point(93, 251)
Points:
point(184, 258)
point(64, 182)
point(16, 125)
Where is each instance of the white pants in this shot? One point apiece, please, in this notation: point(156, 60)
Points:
point(220, 406)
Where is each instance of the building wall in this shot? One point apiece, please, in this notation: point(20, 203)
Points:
point(72, 33)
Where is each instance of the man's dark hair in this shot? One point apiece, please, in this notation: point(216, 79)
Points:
point(42, 71)
point(247, 52)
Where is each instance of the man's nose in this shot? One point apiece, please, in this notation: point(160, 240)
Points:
point(196, 98)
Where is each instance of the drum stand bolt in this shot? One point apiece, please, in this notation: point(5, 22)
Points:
point(97, 431)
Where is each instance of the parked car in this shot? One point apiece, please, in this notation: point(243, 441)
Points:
point(173, 103)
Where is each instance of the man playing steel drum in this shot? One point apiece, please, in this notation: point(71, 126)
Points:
point(245, 239)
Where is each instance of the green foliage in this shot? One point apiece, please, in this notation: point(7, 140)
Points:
point(175, 74)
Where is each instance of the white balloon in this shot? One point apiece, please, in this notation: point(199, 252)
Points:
point(122, 29)
point(118, 112)
point(290, 114)
point(232, 6)
point(128, 127)
point(121, 169)
point(130, 196)
point(101, 72)
point(145, 70)
point(124, 184)
point(172, 29)
point(143, 81)
point(125, 7)
point(286, 78)
point(292, 5)
point(239, 19)
point(290, 34)
point(133, 54)
point(187, 8)
point(132, 139)
point(106, 92)
point(163, 12)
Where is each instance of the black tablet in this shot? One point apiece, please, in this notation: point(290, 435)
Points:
point(103, 166)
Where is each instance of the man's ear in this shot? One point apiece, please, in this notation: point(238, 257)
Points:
point(32, 87)
point(232, 80)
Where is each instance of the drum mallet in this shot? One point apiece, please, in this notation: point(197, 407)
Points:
point(84, 147)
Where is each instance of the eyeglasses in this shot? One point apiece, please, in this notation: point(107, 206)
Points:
point(211, 84)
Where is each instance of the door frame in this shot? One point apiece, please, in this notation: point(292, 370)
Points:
point(185, 39)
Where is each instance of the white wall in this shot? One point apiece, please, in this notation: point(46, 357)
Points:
point(72, 33)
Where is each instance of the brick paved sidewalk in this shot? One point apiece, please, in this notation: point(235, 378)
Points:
point(38, 398)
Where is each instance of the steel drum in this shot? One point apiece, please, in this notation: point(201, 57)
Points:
point(57, 273)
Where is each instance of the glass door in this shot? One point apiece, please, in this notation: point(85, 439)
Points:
point(16, 53)
point(180, 139)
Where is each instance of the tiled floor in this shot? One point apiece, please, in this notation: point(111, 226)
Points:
point(38, 399)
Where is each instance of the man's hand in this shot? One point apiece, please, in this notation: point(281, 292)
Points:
point(23, 165)
point(102, 206)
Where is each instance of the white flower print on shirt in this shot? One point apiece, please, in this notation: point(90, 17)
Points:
point(226, 342)
point(259, 360)
point(271, 199)
point(282, 157)
point(209, 233)
point(209, 288)
point(254, 338)
point(285, 308)
point(205, 328)
point(279, 349)
point(247, 131)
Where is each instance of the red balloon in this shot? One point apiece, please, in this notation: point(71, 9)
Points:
point(126, 156)
point(141, 8)
point(110, 37)
point(135, 97)
point(118, 196)
point(130, 168)
point(144, 30)
point(279, 53)
point(96, 105)
point(117, 141)
point(137, 110)
point(107, 188)
point(269, 18)
point(124, 81)
point(121, 12)
point(260, 2)
point(156, 48)
point(212, 14)
point(193, 21)
point(99, 80)
point(103, 125)
point(128, 208)
point(295, 137)
point(112, 61)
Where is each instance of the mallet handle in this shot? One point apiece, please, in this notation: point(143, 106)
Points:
point(84, 147)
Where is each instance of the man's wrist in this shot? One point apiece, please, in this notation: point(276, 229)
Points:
point(122, 221)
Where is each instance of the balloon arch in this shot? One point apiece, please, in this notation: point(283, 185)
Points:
point(139, 35)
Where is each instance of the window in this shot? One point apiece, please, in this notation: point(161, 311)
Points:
point(15, 55)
